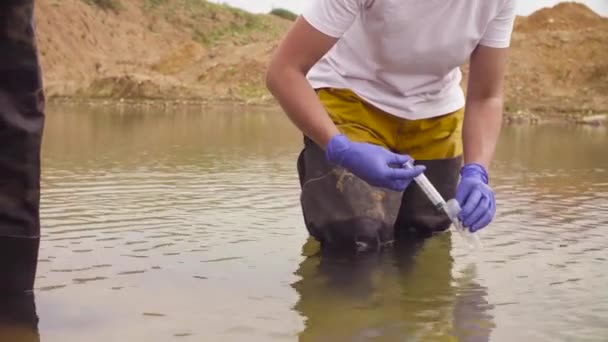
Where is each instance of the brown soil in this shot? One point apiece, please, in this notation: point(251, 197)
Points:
point(559, 61)
point(194, 50)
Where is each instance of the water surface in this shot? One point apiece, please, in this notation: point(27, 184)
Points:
point(185, 226)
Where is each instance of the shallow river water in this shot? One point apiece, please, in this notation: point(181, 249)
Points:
point(186, 226)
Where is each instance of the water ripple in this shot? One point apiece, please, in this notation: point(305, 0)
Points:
point(195, 226)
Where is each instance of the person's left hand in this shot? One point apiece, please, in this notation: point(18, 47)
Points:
point(475, 197)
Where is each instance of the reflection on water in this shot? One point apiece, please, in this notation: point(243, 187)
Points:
point(406, 293)
point(185, 225)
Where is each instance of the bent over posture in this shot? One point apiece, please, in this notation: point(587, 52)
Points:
point(373, 84)
point(21, 125)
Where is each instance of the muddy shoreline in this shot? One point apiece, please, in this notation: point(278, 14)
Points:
point(537, 116)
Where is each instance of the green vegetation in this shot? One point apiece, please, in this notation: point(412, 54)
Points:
point(154, 3)
point(283, 13)
point(107, 5)
point(210, 23)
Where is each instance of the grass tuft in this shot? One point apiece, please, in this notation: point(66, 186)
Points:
point(283, 13)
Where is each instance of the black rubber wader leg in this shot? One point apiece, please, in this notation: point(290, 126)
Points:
point(18, 318)
point(341, 211)
point(21, 126)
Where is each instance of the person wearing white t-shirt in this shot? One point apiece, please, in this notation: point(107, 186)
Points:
point(373, 84)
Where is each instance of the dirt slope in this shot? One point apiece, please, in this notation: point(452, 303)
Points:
point(190, 49)
point(150, 49)
point(559, 60)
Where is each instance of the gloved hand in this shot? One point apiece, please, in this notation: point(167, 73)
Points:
point(475, 197)
point(372, 163)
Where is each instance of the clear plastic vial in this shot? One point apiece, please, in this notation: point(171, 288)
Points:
point(452, 209)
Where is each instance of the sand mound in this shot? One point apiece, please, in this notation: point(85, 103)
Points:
point(199, 50)
point(562, 17)
point(559, 61)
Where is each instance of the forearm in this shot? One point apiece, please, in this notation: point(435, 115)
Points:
point(301, 104)
point(481, 129)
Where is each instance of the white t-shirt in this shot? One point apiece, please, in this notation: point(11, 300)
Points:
point(403, 56)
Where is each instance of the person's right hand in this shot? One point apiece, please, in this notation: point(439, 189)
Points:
point(372, 163)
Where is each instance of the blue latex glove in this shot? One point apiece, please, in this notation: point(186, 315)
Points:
point(475, 197)
point(372, 163)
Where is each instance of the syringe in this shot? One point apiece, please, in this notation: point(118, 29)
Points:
point(451, 207)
